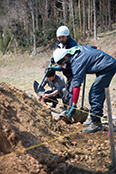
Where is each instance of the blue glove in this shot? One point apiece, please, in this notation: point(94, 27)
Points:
point(72, 109)
point(55, 68)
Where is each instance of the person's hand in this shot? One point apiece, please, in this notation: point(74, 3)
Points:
point(72, 109)
point(51, 68)
point(45, 96)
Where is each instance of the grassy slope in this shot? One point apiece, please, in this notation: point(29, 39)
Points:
point(21, 70)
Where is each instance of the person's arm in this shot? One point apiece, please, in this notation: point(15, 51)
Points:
point(45, 96)
point(76, 91)
point(56, 68)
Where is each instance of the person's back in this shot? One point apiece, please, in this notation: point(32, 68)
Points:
point(85, 60)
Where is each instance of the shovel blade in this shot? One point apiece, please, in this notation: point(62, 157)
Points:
point(65, 119)
point(38, 89)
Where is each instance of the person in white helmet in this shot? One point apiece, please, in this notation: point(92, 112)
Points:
point(86, 60)
point(64, 38)
point(65, 41)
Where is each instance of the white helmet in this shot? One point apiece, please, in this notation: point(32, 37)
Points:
point(59, 54)
point(62, 31)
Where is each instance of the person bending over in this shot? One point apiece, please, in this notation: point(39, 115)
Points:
point(85, 60)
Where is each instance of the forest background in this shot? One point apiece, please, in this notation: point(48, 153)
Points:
point(29, 24)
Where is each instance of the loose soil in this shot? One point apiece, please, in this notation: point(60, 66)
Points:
point(31, 141)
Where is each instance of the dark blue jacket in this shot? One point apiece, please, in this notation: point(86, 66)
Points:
point(89, 61)
point(69, 44)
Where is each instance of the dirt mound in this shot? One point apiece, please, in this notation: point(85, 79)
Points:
point(31, 142)
point(20, 111)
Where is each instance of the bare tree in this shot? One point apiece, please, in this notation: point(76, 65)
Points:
point(54, 10)
point(84, 23)
point(106, 14)
point(31, 4)
point(26, 14)
point(114, 10)
point(95, 28)
point(89, 17)
point(65, 11)
point(36, 9)
point(80, 21)
point(109, 11)
point(103, 20)
point(72, 17)
point(100, 9)
point(46, 10)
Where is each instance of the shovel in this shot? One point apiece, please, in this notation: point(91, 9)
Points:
point(37, 87)
point(77, 116)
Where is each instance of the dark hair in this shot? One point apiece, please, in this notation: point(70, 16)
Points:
point(50, 73)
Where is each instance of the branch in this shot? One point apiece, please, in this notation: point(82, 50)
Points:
point(59, 9)
point(59, 1)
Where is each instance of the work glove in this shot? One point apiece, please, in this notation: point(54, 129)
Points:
point(51, 69)
point(72, 110)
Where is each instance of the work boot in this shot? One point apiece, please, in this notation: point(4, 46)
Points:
point(87, 122)
point(93, 127)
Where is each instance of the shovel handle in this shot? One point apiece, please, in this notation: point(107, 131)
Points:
point(44, 76)
point(83, 92)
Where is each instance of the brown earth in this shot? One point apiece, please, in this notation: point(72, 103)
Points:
point(31, 141)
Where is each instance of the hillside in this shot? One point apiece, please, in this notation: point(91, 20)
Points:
point(31, 141)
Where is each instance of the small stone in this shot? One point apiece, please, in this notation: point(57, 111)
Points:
point(98, 170)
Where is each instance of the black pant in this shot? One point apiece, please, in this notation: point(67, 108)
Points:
point(68, 93)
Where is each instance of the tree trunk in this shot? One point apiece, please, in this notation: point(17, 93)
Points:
point(53, 6)
point(114, 11)
point(106, 16)
point(80, 21)
point(72, 17)
point(95, 29)
point(100, 9)
point(89, 17)
point(36, 8)
point(103, 15)
point(46, 10)
point(31, 5)
point(15, 44)
point(109, 11)
point(65, 12)
point(34, 37)
point(84, 24)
